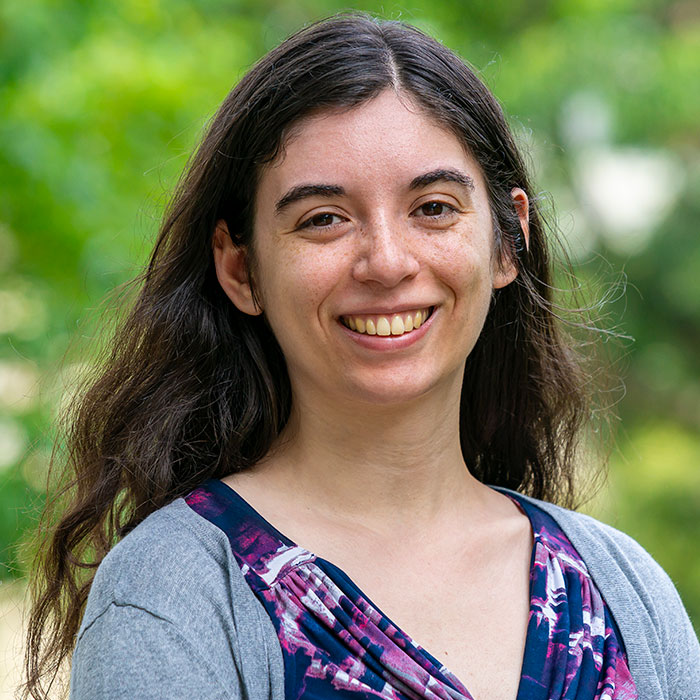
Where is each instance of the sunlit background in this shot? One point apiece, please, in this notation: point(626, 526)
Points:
point(101, 103)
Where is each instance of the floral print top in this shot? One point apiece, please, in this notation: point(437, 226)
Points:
point(337, 644)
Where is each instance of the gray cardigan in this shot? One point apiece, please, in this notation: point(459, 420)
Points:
point(170, 615)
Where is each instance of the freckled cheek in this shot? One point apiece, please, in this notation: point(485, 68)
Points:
point(462, 268)
point(301, 283)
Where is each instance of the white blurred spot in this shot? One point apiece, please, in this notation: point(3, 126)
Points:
point(628, 192)
point(22, 311)
point(13, 442)
point(18, 384)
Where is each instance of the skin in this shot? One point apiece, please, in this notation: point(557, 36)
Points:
point(369, 467)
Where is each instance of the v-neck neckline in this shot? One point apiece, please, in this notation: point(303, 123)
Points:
point(328, 567)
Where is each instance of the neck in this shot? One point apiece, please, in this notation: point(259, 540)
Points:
point(390, 466)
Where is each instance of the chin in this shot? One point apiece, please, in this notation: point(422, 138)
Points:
point(393, 393)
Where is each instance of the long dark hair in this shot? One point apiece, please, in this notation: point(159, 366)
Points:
point(191, 388)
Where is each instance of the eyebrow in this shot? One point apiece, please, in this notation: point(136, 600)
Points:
point(304, 191)
point(442, 175)
point(299, 192)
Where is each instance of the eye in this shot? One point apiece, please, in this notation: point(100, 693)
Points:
point(322, 220)
point(435, 210)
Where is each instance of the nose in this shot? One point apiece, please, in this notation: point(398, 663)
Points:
point(385, 256)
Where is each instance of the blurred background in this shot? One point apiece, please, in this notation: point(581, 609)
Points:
point(101, 103)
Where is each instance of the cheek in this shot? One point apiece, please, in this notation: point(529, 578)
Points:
point(464, 262)
point(296, 279)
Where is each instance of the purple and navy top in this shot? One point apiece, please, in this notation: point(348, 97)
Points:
point(337, 644)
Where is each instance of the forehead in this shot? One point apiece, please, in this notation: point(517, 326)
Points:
point(389, 139)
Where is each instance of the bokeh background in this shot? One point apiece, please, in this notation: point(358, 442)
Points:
point(101, 102)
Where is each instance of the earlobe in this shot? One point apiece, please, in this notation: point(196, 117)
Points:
point(232, 271)
point(505, 274)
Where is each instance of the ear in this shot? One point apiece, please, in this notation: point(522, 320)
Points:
point(232, 270)
point(507, 272)
point(522, 207)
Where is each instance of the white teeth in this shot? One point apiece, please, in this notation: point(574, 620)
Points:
point(397, 327)
point(380, 325)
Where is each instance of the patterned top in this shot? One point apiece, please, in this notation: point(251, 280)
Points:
point(336, 643)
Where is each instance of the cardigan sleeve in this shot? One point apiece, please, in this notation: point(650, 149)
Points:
point(170, 615)
point(128, 652)
point(684, 666)
point(679, 646)
point(662, 645)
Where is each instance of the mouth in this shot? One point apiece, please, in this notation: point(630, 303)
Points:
point(388, 325)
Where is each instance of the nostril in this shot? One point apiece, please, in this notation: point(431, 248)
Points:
point(387, 270)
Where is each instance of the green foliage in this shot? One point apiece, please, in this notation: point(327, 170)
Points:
point(101, 103)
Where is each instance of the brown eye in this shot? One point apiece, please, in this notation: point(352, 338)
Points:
point(433, 209)
point(435, 214)
point(322, 220)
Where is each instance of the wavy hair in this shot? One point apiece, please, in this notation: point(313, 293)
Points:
point(191, 388)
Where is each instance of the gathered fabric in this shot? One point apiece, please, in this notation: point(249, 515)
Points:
point(336, 643)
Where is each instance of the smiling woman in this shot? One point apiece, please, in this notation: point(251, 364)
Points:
point(323, 455)
point(388, 224)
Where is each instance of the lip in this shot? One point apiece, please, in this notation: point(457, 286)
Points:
point(390, 343)
point(377, 311)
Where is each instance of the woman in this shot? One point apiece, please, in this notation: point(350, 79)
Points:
point(315, 431)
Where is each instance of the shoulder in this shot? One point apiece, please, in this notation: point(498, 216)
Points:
point(157, 565)
point(618, 563)
point(170, 614)
point(662, 647)
point(178, 567)
point(607, 551)
point(612, 555)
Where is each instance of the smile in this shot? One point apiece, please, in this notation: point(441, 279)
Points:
point(393, 324)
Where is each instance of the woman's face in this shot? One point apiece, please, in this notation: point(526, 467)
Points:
point(370, 220)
